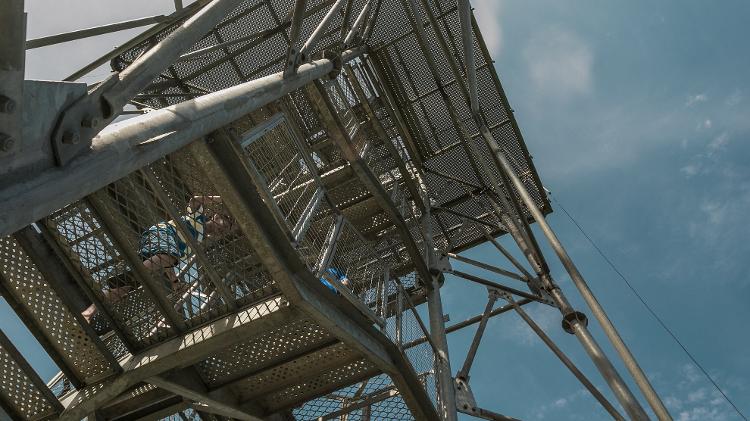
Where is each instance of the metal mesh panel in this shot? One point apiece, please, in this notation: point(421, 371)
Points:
point(342, 375)
point(22, 279)
point(288, 379)
point(90, 248)
point(373, 399)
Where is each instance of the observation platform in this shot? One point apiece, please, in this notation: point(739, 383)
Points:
point(340, 173)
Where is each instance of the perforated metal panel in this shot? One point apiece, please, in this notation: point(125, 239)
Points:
point(295, 372)
point(21, 394)
point(326, 382)
point(258, 352)
point(24, 281)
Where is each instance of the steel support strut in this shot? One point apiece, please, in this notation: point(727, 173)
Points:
point(619, 387)
point(464, 372)
point(127, 146)
point(79, 123)
point(437, 326)
point(564, 359)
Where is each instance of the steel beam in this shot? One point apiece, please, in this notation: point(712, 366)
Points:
point(320, 29)
point(509, 256)
point(92, 32)
point(500, 287)
point(468, 322)
point(79, 123)
point(182, 351)
point(609, 329)
point(464, 371)
point(363, 402)
point(298, 14)
point(357, 26)
point(565, 360)
point(487, 267)
point(208, 403)
point(127, 146)
point(223, 165)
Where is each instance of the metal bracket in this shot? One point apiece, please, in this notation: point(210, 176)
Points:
point(443, 264)
point(41, 101)
point(465, 401)
point(81, 121)
point(12, 63)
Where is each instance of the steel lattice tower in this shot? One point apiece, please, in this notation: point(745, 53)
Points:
point(371, 137)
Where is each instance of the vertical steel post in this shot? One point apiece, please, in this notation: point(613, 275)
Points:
point(437, 328)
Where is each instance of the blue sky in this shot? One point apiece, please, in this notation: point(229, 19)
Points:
point(638, 116)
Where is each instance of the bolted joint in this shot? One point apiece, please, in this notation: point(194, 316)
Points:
point(572, 318)
point(7, 105)
point(338, 64)
point(90, 122)
point(6, 142)
point(71, 137)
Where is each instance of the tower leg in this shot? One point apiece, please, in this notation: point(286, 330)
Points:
point(609, 329)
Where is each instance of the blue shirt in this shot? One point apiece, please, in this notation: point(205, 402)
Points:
point(332, 273)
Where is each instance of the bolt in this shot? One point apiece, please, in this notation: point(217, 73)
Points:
point(7, 105)
point(6, 142)
point(90, 122)
point(70, 137)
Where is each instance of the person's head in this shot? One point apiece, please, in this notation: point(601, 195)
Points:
point(220, 223)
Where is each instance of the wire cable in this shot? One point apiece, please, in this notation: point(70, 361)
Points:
point(650, 310)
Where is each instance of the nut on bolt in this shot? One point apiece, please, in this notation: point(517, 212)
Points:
point(6, 142)
point(71, 137)
point(7, 105)
point(90, 122)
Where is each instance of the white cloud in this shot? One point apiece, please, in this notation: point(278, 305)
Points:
point(718, 144)
point(695, 399)
point(735, 98)
point(694, 99)
point(560, 63)
point(559, 404)
point(710, 159)
point(544, 316)
point(705, 124)
point(487, 13)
